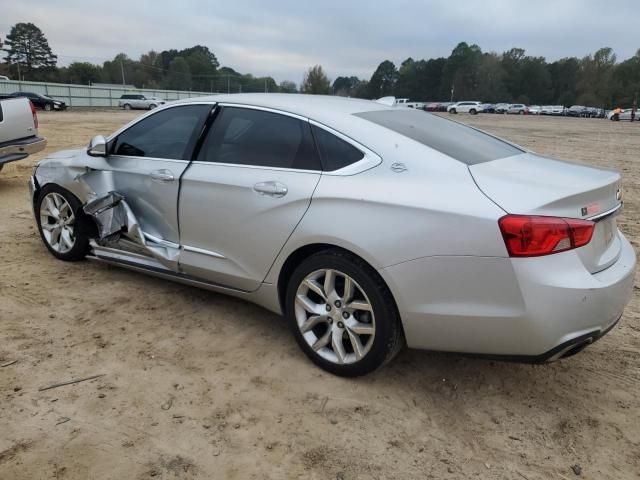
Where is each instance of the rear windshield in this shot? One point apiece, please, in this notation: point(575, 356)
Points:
point(451, 138)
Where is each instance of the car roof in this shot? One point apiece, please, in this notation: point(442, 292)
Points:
point(323, 108)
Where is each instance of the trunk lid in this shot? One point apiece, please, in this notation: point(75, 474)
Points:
point(529, 184)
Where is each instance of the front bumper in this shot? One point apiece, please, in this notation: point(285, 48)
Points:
point(21, 149)
point(526, 309)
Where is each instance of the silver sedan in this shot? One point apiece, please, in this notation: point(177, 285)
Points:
point(368, 226)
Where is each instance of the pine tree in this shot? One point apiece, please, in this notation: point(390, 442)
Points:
point(28, 49)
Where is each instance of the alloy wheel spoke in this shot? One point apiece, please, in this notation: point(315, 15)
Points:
point(49, 226)
point(329, 282)
point(66, 238)
point(50, 208)
point(312, 322)
point(55, 236)
point(322, 341)
point(337, 346)
point(348, 289)
point(358, 349)
point(308, 305)
point(315, 287)
point(359, 305)
point(360, 328)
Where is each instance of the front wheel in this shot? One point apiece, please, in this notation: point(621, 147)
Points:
point(152, 106)
point(47, 107)
point(63, 231)
point(126, 106)
point(342, 314)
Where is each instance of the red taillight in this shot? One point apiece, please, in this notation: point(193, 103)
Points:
point(35, 115)
point(532, 236)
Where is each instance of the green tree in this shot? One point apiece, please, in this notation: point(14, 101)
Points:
point(345, 86)
point(564, 75)
point(83, 72)
point(316, 82)
point(491, 77)
point(460, 73)
point(28, 50)
point(383, 80)
point(179, 75)
point(287, 86)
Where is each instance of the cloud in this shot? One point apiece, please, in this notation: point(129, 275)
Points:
point(282, 38)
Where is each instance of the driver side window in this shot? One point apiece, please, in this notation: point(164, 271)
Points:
point(170, 134)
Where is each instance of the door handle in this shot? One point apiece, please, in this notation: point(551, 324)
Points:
point(162, 175)
point(272, 189)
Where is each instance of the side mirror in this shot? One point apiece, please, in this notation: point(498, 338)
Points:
point(97, 147)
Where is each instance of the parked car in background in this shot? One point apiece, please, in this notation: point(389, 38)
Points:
point(131, 101)
point(535, 109)
point(431, 107)
point(577, 111)
point(488, 108)
point(501, 108)
point(278, 209)
point(4, 78)
point(546, 109)
point(625, 115)
point(558, 110)
point(598, 113)
point(443, 106)
point(43, 102)
point(465, 107)
point(517, 109)
point(18, 130)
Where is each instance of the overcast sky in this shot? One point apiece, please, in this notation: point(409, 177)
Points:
point(282, 38)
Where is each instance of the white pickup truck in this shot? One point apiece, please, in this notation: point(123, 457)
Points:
point(18, 130)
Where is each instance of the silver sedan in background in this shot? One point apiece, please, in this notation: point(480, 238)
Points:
point(368, 226)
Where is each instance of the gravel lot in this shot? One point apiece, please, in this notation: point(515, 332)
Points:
point(199, 385)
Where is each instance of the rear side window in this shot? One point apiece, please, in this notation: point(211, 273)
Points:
point(458, 141)
point(335, 153)
point(170, 133)
point(244, 136)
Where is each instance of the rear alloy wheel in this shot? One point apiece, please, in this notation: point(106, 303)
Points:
point(453, 110)
point(473, 111)
point(521, 112)
point(60, 228)
point(152, 106)
point(342, 314)
point(126, 106)
point(47, 107)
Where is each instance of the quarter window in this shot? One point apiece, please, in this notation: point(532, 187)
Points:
point(335, 152)
point(170, 133)
point(244, 136)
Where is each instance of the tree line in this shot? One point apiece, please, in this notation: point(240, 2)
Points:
point(468, 73)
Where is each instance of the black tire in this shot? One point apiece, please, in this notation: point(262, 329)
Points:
point(389, 337)
point(152, 106)
point(126, 106)
point(81, 224)
point(48, 107)
point(473, 111)
point(453, 110)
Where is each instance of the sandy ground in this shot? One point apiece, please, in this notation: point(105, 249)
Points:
point(199, 385)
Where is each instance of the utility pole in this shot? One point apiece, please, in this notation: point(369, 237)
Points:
point(122, 70)
point(452, 92)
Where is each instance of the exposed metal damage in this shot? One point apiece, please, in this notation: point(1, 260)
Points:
point(117, 224)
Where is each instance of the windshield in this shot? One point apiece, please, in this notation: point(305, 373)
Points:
point(454, 139)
